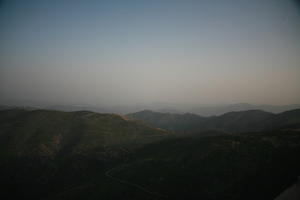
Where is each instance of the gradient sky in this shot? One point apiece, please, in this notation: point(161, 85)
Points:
point(126, 52)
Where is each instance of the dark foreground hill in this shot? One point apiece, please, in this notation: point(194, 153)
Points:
point(237, 122)
point(43, 152)
point(248, 166)
point(84, 155)
point(51, 133)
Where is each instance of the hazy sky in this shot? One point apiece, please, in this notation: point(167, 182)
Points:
point(126, 52)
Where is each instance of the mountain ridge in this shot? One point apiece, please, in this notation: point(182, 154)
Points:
point(203, 110)
point(21, 127)
point(236, 121)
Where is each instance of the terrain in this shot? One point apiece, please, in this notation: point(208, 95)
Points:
point(174, 108)
point(222, 109)
point(52, 133)
point(232, 122)
point(48, 154)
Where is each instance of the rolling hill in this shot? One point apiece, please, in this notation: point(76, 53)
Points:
point(84, 155)
point(222, 109)
point(52, 133)
point(237, 122)
point(169, 121)
point(43, 151)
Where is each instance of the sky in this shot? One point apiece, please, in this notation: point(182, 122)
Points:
point(138, 52)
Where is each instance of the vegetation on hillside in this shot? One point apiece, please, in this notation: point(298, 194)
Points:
point(85, 155)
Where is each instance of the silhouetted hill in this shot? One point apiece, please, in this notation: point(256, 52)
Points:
point(169, 121)
point(242, 121)
point(288, 119)
point(207, 111)
point(222, 109)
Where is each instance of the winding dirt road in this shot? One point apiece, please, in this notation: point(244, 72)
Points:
point(125, 182)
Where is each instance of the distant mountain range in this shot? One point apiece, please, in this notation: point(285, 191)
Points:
point(211, 110)
point(242, 121)
point(179, 109)
point(222, 109)
point(233, 121)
